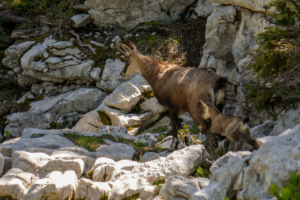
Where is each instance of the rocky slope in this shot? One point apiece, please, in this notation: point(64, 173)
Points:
point(85, 132)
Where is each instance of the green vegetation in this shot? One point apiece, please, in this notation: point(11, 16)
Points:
point(90, 143)
point(56, 11)
point(159, 184)
point(201, 172)
point(133, 197)
point(291, 192)
point(277, 60)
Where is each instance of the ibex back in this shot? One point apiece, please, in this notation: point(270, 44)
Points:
point(176, 87)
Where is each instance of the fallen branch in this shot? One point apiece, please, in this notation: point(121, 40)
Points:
point(80, 43)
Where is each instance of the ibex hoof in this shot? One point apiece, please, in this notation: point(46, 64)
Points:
point(174, 145)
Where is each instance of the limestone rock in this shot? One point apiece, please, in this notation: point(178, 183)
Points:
point(204, 8)
point(124, 97)
point(95, 74)
point(56, 185)
point(227, 168)
point(50, 110)
point(179, 187)
point(254, 5)
point(81, 20)
point(286, 121)
point(89, 190)
point(252, 23)
point(111, 76)
point(149, 156)
point(220, 32)
point(262, 130)
point(212, 191)
point(14, 183)
point(116, 151)
point(271, 164)
point(1, 164)
point(14, 52)
point(48, 142)
point(131, 13)
point(89, 122)
point(180, 162)
point(130, 185)
point(62, 44)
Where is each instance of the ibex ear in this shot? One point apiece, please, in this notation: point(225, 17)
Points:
point(246, 120)
point(131, 45)
point(203, 104)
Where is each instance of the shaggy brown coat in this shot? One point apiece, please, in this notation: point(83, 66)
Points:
point(176, 87)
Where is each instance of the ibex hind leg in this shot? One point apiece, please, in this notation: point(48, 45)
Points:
point(174, 119)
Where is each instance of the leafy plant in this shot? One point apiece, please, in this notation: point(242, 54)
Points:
point(187, 132)
point(7, 133)
point(159, 185)
point(291, 192)
point(201, 173)
point(277, 60)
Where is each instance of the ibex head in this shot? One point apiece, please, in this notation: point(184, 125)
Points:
point(132, 57)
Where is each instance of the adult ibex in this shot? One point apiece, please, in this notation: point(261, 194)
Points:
point(176, 87)
point(235, 129)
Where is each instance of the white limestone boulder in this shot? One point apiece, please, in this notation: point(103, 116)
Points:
point(56, 185)
point(14, 183)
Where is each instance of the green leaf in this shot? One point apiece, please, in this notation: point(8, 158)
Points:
point(294, 179)
point(286, 193)
point(274, 190)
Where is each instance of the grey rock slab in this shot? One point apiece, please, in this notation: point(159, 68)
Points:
point(53, 60)
point(149, 156)
point(48, 142)
point(179, 187)
point(81, 20)
point(212, 191)
point(116, 151)
point(62, 44)
point(262, 130)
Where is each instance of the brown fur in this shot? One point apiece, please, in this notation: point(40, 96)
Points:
point(176, 87)
point(235, 129)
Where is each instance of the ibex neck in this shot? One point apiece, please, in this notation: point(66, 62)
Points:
point(151, 67)
point(213, 112)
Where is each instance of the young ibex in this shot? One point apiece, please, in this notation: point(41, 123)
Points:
point(176, 87)
point(235, 129)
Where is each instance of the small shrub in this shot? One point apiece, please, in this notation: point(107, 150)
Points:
point(291, 192)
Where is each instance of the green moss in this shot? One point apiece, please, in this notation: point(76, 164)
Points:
point(104, 118)
point(104, 197)
point(90, 143)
